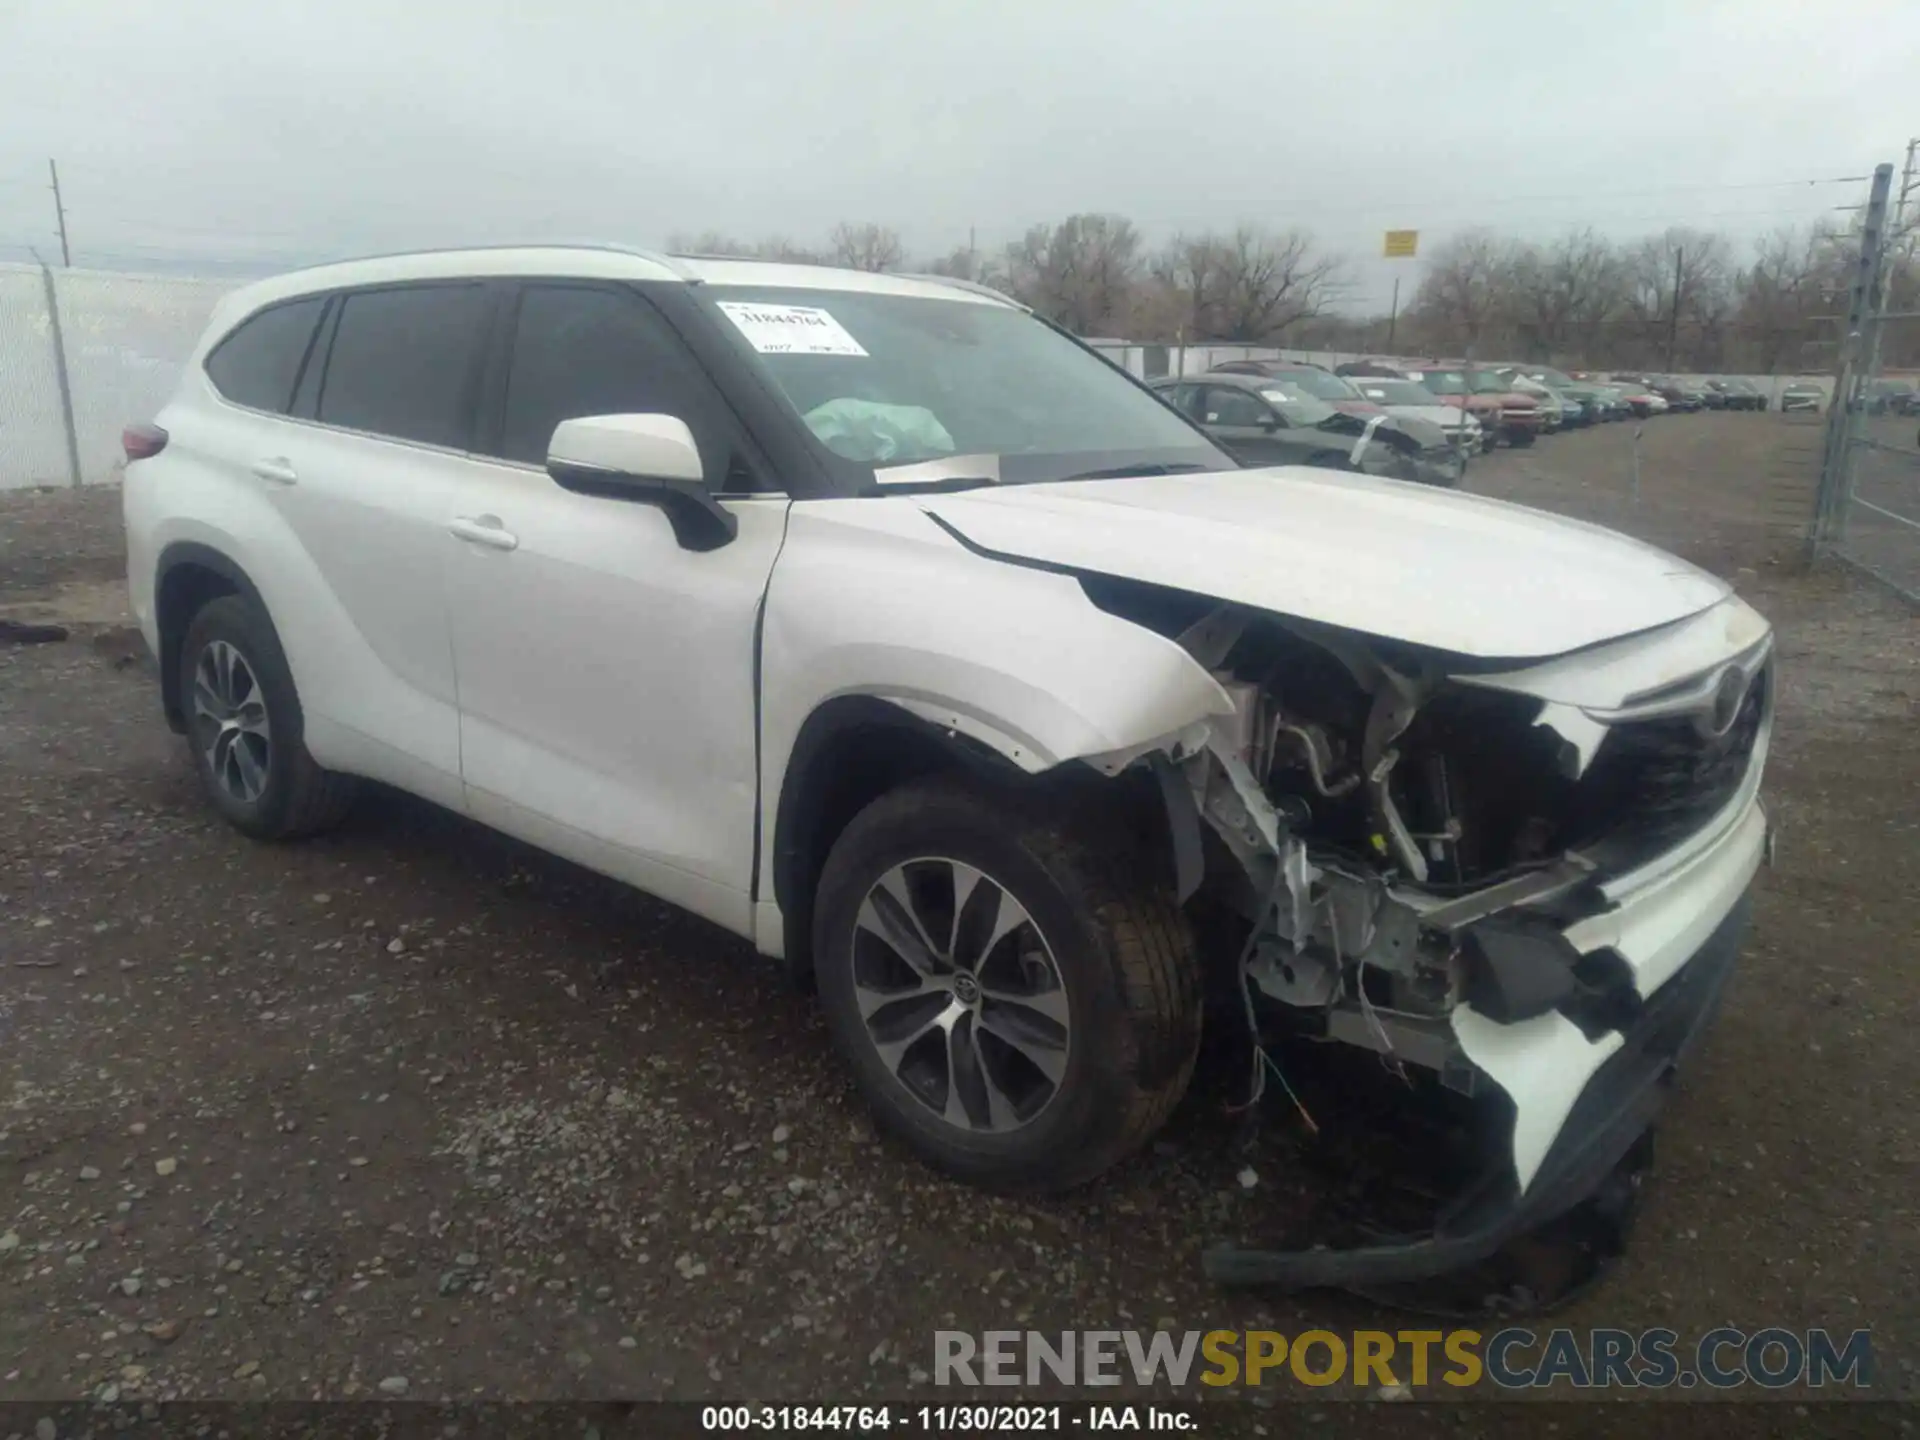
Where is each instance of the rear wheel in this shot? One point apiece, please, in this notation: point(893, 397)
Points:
point(1015, 990)
point(247, 730)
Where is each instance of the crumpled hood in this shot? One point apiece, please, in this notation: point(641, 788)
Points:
point(1453, 572)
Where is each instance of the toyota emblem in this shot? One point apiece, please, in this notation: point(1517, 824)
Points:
point(1729, 692)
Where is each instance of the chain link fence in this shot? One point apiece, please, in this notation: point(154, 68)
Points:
point(118, 339)
point(1868, 510)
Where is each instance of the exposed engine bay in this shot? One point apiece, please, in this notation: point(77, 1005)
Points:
point(1516, 885)
point(1408, 840)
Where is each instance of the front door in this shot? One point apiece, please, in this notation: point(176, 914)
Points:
point(606, 675)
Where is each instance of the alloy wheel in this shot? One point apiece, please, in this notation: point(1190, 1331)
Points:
point(230, 723)
point(960, 995)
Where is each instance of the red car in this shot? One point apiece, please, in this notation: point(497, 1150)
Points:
point(1453, 388)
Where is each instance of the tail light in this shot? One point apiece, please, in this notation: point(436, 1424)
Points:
point(142, 442)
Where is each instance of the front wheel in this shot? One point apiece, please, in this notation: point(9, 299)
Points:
point(1015, 989)
point(1519, 439)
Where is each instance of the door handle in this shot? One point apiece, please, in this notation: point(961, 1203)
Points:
point(484, 530)
point(276, 468)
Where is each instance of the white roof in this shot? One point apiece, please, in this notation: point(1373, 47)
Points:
point(583, 262)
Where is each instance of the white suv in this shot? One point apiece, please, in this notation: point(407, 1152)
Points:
point(883, 623)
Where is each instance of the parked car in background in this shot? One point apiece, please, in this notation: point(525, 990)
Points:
point(1410, 400)
point(1642, 399)
point(1892, 397)
point(1738, 394)
point(1504, 414)
point(1577, 394)
point(1562, 410)
point(1693, 393)
point(1269, 420)
point(1521, 416)
point(1315, 380)
point(1671, 390)
point(1602, 402)
point(1802, 395)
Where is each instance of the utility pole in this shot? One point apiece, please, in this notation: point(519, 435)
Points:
point(1895, 250)
point(1393, 314)
point(60, 214)
point(1673, 320)
point(60, 368)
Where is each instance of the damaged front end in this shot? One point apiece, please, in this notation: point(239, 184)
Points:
point(1519, 890)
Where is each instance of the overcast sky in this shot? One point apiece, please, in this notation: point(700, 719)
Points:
point(250, 128)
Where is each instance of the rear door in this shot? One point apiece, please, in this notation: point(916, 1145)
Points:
point(607, 676)
point(368, 488)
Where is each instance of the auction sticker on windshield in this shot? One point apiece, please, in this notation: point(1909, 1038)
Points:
point(790, 329)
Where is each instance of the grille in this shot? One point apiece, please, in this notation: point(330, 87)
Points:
point(1655, 782)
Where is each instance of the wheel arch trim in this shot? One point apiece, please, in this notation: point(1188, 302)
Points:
point(174, 559)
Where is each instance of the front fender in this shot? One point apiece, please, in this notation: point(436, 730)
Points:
point(871, 598)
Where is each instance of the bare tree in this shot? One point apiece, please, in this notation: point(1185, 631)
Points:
point(708, 242)
point(1781, 291)
point(1249, 285)
point(712, 242)
point(1561, 294)
point(1079, 273)
point(1467, 289)
point(866, 247)
point(1679, 280)
point(965, 262)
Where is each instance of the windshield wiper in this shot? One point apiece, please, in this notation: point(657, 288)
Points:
point(1124, 472)
point(944, 485)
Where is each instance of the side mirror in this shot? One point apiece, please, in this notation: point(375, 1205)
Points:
point(649, 459)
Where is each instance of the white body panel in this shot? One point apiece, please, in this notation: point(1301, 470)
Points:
point(348, 558)
point(1544, 1063)
point(1459, 573)
point(606, 683)
point(872, 598)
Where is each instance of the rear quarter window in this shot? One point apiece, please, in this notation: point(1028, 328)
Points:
point(259, 363)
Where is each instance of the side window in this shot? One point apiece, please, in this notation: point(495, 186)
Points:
point(402, 362)
point(258, 364)
point(579, 350)
point(1180, 397)
point(1235, 407)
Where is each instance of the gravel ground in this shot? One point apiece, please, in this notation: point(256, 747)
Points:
point(413, 1110)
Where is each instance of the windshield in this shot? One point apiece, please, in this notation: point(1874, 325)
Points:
point(1487, 383)
point(1318, 383)
point(885, 379)
point(1444, 382)
point(1296, 404)
point(1397, 392)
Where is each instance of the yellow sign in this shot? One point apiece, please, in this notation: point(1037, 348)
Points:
point(1401, 244)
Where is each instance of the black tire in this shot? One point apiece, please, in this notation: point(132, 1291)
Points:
point(298, 797)
point(1123, 952)
point(1520, 439)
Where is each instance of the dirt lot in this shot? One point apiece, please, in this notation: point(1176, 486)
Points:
point(410, 1101)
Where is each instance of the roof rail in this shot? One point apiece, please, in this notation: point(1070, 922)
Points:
point(973, 286)
point(611, 246)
